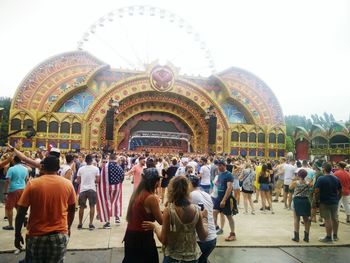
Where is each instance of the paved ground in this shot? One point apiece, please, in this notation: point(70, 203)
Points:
point(219, 255)
point(260, 230)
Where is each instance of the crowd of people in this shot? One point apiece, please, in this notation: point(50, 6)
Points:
point(183, 200)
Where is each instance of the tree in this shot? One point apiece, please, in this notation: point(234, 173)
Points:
point(293, 121)
point(290, 146)
point(4, 129)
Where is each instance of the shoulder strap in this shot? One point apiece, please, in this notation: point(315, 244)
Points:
point(244, 178)
point(302, 190)
point(172, 218)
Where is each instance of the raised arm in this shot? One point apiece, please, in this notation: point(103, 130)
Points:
point(6, 162)
point(26, 159)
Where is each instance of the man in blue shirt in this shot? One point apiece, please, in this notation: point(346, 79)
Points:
point(15, 183)
point(225, 202)
point(328, 192)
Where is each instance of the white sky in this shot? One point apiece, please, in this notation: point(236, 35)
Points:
point(300, 48)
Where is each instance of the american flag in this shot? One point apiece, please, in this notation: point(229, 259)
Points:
point(109, 195)
point(115, 173)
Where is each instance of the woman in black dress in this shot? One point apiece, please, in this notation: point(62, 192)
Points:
point(167, 175)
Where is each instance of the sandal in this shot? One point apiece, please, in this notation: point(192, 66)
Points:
point(231, 237)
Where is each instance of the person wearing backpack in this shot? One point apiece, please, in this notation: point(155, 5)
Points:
point(247, 180)
point(301, 204)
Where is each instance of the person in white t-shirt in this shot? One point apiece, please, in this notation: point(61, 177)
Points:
point(204, 175)
point(182, 169)
point(289, 171)
point(199, 197)
point(88, 176)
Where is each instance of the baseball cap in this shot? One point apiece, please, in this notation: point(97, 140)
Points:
point(42, 148)
point(151, 174)
point(221, 162)
point(55, 151)
point(51, 163)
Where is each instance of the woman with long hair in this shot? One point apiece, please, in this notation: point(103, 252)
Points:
point(140, 245)
point(182, 223)
point(264, 180)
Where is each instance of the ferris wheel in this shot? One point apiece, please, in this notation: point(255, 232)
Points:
point(135, 36)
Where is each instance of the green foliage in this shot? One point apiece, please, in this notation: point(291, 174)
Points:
point(4, 129)
point(290, 146)
point(292, 121)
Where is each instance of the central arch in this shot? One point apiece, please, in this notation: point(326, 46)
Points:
point(191, 99)
point(154, 122)
point(190, 116)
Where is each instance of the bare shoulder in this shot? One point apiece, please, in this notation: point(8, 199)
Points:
point(151, 199)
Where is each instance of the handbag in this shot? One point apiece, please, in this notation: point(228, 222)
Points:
point(242, 181)
point(233, 205)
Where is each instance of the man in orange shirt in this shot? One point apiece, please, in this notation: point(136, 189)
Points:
point(51, 199)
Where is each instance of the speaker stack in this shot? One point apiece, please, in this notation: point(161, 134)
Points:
point(212, 129)
point(109, 124)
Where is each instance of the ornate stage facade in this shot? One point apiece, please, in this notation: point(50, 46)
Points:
point(66, 99)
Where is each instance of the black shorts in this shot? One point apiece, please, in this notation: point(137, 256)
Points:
point(287, 190)
point(246, 191)
point(89, 194)
point(230, 206)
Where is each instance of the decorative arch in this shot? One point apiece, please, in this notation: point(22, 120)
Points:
point(140, 84)
point(73, 69)
point(255, 96)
